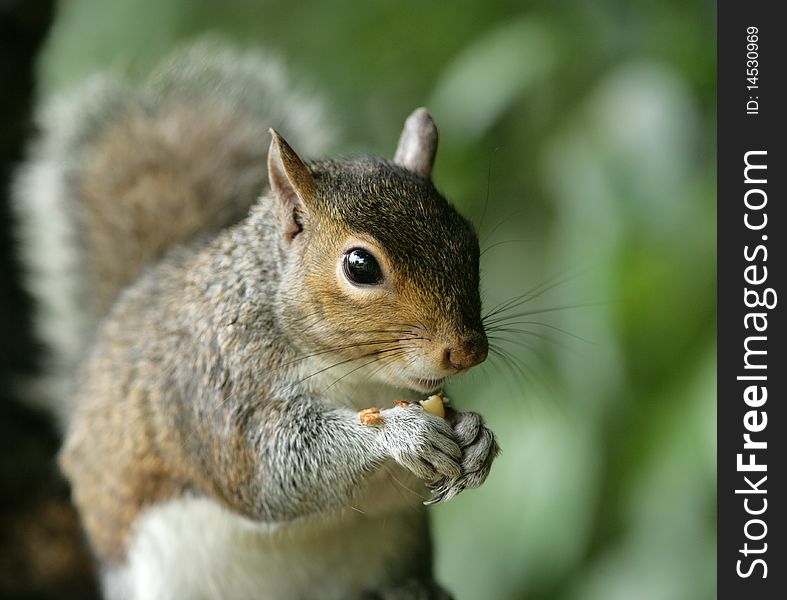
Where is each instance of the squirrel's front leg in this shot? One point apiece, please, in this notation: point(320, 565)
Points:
point(314, 458)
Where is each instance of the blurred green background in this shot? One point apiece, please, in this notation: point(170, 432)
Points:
point(580, 138)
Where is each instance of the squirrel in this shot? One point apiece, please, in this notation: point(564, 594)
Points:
point(214, 327)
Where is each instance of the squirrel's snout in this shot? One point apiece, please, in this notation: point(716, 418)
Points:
point(465, 353)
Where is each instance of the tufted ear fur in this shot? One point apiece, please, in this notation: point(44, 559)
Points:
point(292, 185)
point(418, 143)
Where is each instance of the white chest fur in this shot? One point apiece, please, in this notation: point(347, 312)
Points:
point(191, 548)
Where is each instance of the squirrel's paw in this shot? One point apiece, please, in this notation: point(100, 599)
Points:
point(422, 443)
point(479, 449)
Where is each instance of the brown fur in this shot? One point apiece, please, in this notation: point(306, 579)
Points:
point(185, 172)
point(149, 439)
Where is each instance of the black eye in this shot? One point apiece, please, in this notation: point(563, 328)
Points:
point(361, 267)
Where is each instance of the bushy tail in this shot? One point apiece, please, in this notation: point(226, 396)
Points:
point(120, 173)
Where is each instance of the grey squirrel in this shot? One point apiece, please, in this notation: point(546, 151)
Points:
point(211, 347)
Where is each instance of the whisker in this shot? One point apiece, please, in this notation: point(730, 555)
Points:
point(406, 488)
point(506, 303)
point(340, 363)
point(384, 364)
point(504, 242)
point(539, 290)
point(349, 346)
point(515, 369)
point(366, 364)
point(502, 222)
point(480, 227)
point(521, 343)
point(546, 338)
point(539, 311)
point(502, 326)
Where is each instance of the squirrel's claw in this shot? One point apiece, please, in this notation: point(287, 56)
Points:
point(446, 491)
point(437, 497)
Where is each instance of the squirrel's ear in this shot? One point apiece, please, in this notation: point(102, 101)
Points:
point(418, 143)
point(292, 184)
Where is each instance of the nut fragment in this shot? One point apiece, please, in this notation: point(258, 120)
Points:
point(434, 405)
point(401, 403)
point(370, 416)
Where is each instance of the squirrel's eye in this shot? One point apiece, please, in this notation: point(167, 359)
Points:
point(361, 267)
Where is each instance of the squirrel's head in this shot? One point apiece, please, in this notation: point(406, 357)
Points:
point(379, 273)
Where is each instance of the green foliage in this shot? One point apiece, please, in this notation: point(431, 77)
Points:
point(580, 137)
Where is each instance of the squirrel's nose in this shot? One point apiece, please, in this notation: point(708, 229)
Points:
point(465, 353)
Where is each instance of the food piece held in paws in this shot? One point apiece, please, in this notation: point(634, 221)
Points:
point(370, 416)
point(434, 405)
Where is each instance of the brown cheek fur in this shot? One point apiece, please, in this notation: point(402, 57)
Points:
point(334, 316)
point(341, 318)
point(329, 315)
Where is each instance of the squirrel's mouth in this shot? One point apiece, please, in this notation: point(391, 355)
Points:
point(426, 385)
